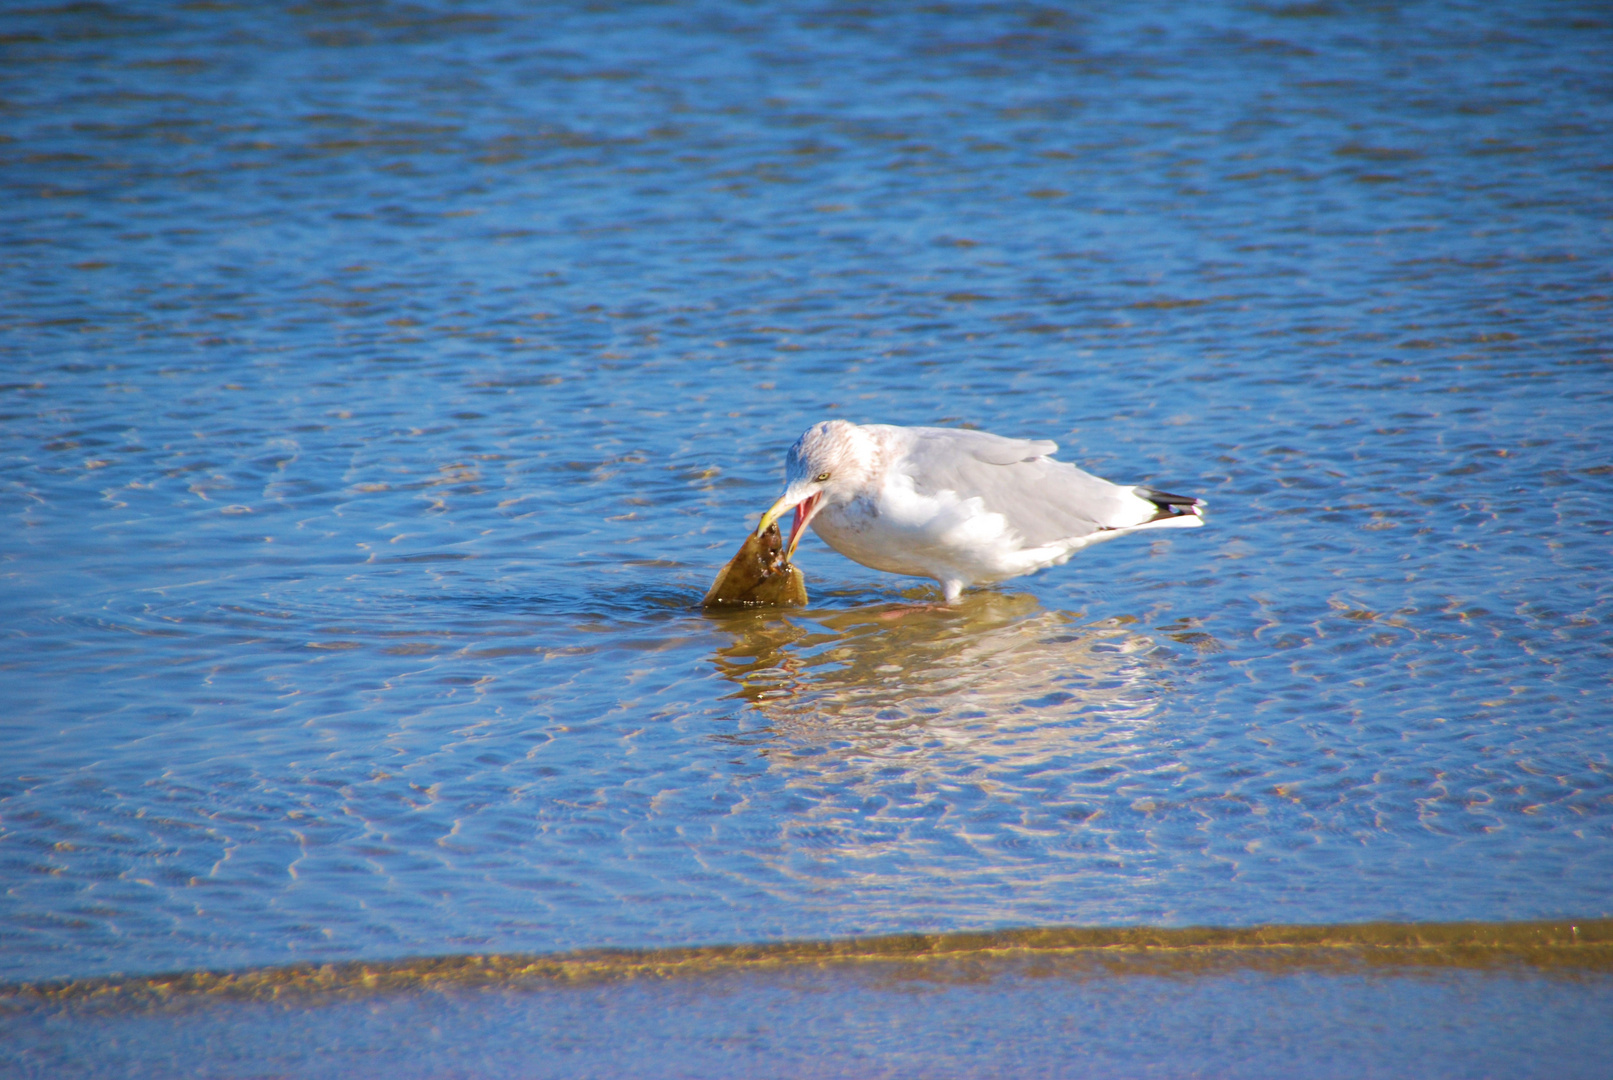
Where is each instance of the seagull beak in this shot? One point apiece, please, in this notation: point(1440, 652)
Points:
point(806, 506)
point(805, 511)
point(776, 511)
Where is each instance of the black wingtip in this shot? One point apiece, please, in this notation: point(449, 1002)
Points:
point(1171, 505)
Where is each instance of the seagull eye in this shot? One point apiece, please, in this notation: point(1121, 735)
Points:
point(821, 478)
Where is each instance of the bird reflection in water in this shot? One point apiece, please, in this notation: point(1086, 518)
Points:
point(994, 673)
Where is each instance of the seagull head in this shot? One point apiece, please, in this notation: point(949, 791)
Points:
point(827, 465)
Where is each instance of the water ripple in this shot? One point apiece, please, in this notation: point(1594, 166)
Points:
point(383, 386)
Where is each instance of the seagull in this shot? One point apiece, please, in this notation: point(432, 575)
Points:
point(962, 507)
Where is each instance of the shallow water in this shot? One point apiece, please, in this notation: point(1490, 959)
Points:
point(817, 1024)
point(1470, 999)
point(384, 385)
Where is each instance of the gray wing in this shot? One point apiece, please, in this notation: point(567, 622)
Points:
point(981, 445)
point(1044, 500)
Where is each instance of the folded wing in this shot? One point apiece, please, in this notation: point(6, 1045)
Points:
point(1044, 501)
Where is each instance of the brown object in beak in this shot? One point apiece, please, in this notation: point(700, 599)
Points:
point(758, 576)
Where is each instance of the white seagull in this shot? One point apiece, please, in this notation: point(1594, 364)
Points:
point(962, 507)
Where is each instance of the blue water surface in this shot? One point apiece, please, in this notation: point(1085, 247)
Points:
point(384, 383)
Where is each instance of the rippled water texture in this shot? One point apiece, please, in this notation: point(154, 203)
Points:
point(384, 384)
